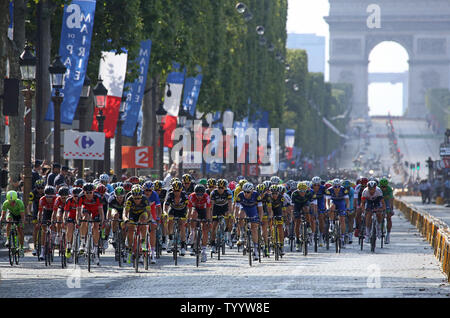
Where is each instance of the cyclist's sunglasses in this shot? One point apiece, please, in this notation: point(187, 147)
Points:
point(177, 190)
point(137, 197)
point(40, 187)
point(221, 188)
point(148, 190)
point(50, 196)
point(247, 192)
point(89, 192)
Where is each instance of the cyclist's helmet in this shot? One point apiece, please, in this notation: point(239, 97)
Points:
point(76, 191)
point(148, 185)
point(104, 178)
point(316, 180)
point(119, 191)
point(384, 182)
point(177, 186)
point(282, 188)
point(199, 189)
point(203, 181)
point(372, 184)
point(248, 187)
point(141, 180)
point(222, 183)
point(328, 185)
point(242, 182)
point(11, 195)
point(175, 180)
point(127, 186)
point(158, 185)
point(260, 188)
point(302, 187)
point(49, 190)
point(96, 181)
point(267, 183)
point(239, 178)
point(39, 184)
point(275, 180)
point(358, 181)
point(187, 178)
point(212, 182)
point(336, 182)
point(88, 187)
point(63, 192)
point(274, 188)
point(364, 181)
point(346, 184)
point(134, 180)
point(136, 190)
point(232, 185)
point(100, 188)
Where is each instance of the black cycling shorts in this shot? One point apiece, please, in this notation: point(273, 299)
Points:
point(220, 210)
point(178, 213)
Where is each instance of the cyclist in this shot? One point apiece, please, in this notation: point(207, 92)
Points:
point(372, 200)
point(177, 201)
point(101, 190)
point(58, 210)
point(351, 211)
point(266, 198)
point(90, 208)
point(104, 179)
point(388, 197)
point(278, 205)
point(201, 202)
point(137, 209)
point(155, 204)
point(319, 204)
point(359, 209)
point(188, 188)
point(338, 201)
point(45, 214)
point(250, 203)
point(162, 193)
point(116, 204)
point(13, 210)
point(301, 198)
point(33, 203)
point(70, 215)
point(221, 203)
point(127, 186)
point(239, 214)
point(79, 183)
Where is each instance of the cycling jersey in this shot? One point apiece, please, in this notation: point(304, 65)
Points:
point(236, 192)
point(137, 209)
point(387, 196)
point(351, 194)
point(199, 202)
point(71, 208)
point(319, 197)
point(338, 199)
point(113, 203)
point(221, 199)
point(47, 207)
point(15, 209)
point(372, 200)
point(153, 199)
point(182, 202)
point(287, 199)
point(90, 206)
point(190, 189)
point(35, 196)
point(266, 203)
point(59, 204)
point(278, 205)
point(249, 205)
point(162, 196)
point(109, 188)
point(300, 201)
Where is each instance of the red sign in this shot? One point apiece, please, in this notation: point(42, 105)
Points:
point(446, 162)
point(137, 157)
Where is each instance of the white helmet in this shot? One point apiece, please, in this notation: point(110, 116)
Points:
point(336, 182)
point(275, 180)
point(316, 180)
point(104, 178)
point(248, 187)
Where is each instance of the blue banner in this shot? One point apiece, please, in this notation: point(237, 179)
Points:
point(74, 48)
point(135, 91)
point(191, 91)
point(214, 168)
point(11, 20)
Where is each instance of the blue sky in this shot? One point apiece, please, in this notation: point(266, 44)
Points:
point(306, 16)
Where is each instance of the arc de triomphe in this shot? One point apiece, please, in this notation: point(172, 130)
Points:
point(422, 27)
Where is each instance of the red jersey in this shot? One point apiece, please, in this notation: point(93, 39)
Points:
point(71, 207)
point(44, 205)
point(199, 202)
point(59, 204)
point(90, 205)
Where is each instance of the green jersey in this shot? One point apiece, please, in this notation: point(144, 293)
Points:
point(387, 193)
point(14, 210)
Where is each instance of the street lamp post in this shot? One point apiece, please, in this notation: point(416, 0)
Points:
point(57, 71)
point(182, 117)
point(160, 118)
point(118, 141)
point(100, 93)
point(27, 62)
point(82, 111)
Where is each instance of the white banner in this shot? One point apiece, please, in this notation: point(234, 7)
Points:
point(228, 117)
point(172, 103)
point(84, 145)
point(112, 71)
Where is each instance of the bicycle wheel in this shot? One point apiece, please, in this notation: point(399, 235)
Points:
point(75, 246)
point(146, 253)
point(337, 231)
point(259, 243)
point(382, 233)
point(316, 238)
point(48, 239)
point(327, 234)
point(175, 241)
point(275, 246)
point(361, 233)
point(89, 251)
point(373, 237)
point(17, 248)
point(197, 244)
point(249, 248)
point(11, 251)
point(305, 238)
point(137, 248)
point(39, 245)
point(218, 244)
point(62, 249)
point(119, 245)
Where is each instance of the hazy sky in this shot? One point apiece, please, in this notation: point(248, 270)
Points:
point(306, 16)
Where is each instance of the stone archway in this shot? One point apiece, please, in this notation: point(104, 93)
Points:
point(421, 27)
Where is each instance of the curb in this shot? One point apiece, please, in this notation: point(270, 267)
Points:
point(436, 232)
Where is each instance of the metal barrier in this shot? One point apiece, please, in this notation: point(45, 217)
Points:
point(436, 232)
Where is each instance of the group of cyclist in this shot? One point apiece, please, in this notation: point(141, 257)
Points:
point(139, 200)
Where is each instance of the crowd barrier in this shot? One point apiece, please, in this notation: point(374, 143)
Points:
point(436, 232)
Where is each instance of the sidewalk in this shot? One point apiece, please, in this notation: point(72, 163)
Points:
point(439, 211)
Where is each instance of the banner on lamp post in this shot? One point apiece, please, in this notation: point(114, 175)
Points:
point(137, 157)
